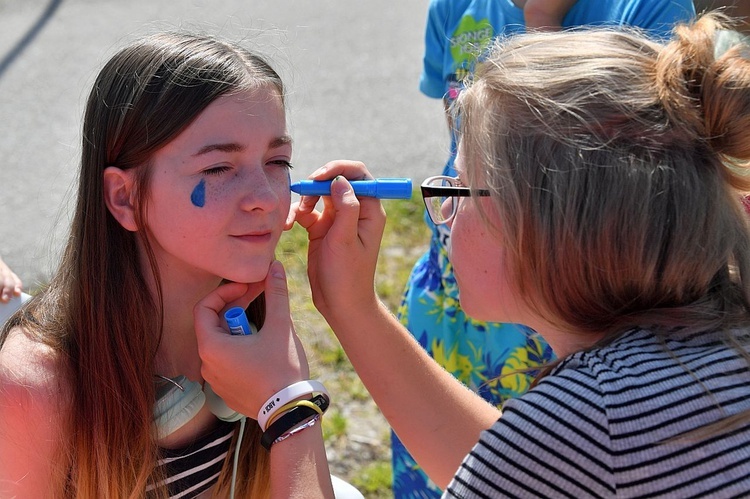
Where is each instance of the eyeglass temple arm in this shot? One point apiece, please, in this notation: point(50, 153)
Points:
point(429, 191)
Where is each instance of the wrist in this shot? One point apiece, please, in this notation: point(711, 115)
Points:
point(294, 418)
point(280, 401)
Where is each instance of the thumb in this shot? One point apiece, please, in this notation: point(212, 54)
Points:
point(277, 296)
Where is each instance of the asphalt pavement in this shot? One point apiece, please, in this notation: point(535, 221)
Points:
point(351, 68)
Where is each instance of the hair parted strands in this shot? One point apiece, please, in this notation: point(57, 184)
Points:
point(616, 165)
point(94, 313)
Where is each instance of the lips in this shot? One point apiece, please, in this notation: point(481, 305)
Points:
point(255, 237)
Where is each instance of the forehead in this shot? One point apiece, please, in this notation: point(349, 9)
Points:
point(262, 106)
point(250, 118)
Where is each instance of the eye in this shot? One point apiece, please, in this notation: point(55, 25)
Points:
point(217, 170)
point(281, 162)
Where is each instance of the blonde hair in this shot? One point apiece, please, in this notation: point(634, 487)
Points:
point(95, 313)
point(616, 165)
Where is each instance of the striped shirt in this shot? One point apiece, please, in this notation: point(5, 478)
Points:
point(607, 423)
point(195, 468)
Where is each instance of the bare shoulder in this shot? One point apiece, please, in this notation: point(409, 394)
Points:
point(34, 397)
point(31, 371)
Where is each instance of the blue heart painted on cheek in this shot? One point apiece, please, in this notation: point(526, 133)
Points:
point(198, 196)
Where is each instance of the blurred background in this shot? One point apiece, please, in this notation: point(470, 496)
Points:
point(351, 68)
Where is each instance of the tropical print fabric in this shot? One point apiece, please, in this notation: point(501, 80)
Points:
point(487, 357)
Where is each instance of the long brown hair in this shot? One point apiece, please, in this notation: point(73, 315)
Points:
point(616, 166)
point(94, 311)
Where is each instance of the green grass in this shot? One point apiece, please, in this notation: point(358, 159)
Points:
point(357, 438)
point(374, 480)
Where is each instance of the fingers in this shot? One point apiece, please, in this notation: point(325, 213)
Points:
point(353, 170)
point(207, 311)
point(304, 212)
point(277, 298)
point(254, 290)
point(8, 292)
point(279, 321)
point(346, 206)
point(10, 283)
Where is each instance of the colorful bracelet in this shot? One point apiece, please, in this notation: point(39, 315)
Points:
point(287, 395)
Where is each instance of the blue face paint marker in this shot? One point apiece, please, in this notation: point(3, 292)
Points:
point(381, 188)
point(198, 196)
point(237, 321)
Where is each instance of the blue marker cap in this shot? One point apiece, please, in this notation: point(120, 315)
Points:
point(381, 188)
point(237, 321)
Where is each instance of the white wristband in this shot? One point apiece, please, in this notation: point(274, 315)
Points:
point(286, 395)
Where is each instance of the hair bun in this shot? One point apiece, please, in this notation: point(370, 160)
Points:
point(680, 68)
point(703, 81)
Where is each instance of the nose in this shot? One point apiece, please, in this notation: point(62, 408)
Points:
point(447, 210)
point(261, 192)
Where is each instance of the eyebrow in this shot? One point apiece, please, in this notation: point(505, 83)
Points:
point(235, 147)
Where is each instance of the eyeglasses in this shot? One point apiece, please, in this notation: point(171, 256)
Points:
point(441, 195)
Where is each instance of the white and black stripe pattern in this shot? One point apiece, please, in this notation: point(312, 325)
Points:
point(607, 422)
point(195, 468)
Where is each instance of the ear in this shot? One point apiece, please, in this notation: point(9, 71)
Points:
point(119, 195)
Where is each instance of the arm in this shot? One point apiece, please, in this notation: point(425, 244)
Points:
point(739, 10)
point(31, 421)
point(246, 370)
point(436, 417)
point(299, 467)
point(10, 284)
point(546, 14)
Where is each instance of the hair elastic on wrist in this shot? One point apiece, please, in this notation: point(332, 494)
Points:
point(286, 395)
point(313, 403)
point(288, 421)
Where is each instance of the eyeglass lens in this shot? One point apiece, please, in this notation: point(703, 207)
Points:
point(440, 207)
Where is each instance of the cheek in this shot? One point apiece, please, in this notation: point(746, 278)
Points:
point(214, 193)
point(477, 258)
point(280, 183)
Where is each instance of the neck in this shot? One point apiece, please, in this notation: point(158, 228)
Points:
point(563, 342)
point(181, 289)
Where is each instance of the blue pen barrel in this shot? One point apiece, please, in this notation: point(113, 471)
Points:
point(392, 188)
point(381, 188)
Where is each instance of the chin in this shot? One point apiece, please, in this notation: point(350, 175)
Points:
point(254, 273)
